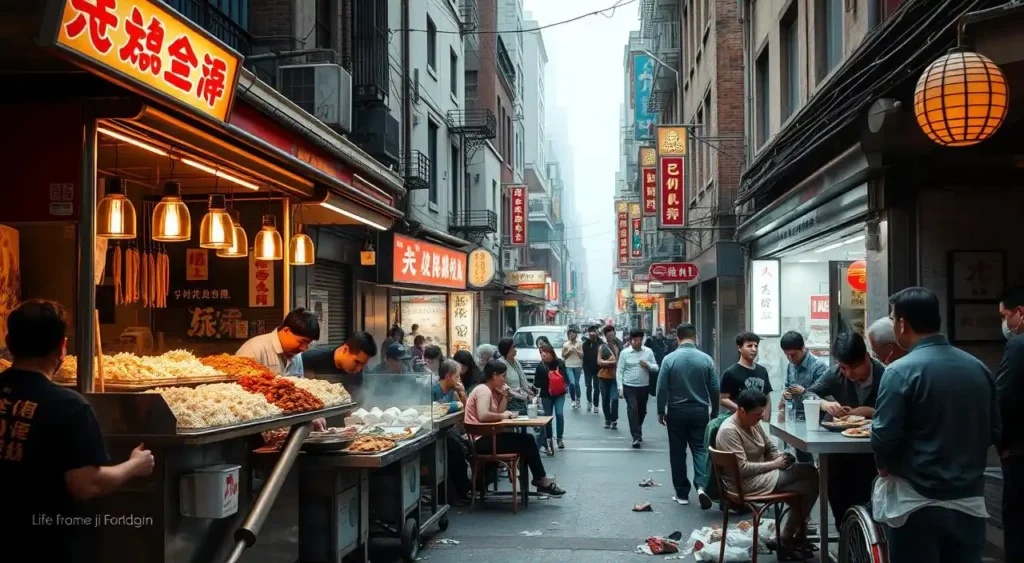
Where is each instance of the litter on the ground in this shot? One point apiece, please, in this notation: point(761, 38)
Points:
point(554, 523)
point(657, 545)
point(655, 470)
point(643, 507)
point(706, 543)
point(445, 541)
point(530, 534)
point(649, 483)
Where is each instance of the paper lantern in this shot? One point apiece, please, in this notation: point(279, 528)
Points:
point(857, 276)
point(961, 99)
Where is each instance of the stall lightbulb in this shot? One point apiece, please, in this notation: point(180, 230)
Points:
point(239, 243)
point(115, 215)
point(301, 249)
point(268, 244)
point(171, 220)
point(216, 231)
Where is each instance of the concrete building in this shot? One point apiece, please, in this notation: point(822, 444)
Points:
point(511, 20)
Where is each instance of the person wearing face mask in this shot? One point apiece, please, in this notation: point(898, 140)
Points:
point(883, 341)
point(53, 456)
point(1010, 389)
point(935, 418)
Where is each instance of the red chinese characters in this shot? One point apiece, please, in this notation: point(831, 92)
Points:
point(672, 212)
point(99, 17)
point(649, 176)
point(183, 62)
point(263, 272)
point(519, 224)
point(211, 85)
point(142, 50)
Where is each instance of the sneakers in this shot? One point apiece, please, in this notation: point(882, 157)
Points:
point(705, 500)
point(680, 501)
point(590, 407)
point(636, 444)
point(607, 424)
point(615, 425)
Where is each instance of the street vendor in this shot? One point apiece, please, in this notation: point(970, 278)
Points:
point(52, 454)
point(281, 350)
point(341, 364)
point(850, 388)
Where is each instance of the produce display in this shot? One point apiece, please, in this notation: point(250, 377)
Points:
point(281, 392)
point(216, 404)
point(370, 445)
point(129, 368)
point(331, 394)
point(235, 366)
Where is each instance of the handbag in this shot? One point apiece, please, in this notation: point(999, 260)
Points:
point(607, 372)
point(556, 383)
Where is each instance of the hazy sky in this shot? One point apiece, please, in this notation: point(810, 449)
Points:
point(586, 76)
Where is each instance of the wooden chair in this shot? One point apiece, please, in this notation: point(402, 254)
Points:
point(727, 465)
point(480, 461)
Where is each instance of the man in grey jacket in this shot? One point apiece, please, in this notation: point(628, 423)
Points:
point(935, 418)
point(687, 400)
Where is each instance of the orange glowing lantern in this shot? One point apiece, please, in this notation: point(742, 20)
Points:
point(857, 276)
point(961, 99)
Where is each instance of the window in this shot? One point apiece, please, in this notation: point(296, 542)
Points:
point(790, 64)
point(828, 36)
point(431, 44)
point(323, 24)
point(699, 152)
point(453, 60)
point(432, 155)
point(708, 149)
point(762, 111)
point(453, 181)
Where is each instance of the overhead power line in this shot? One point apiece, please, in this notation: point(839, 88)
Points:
point(601, 12)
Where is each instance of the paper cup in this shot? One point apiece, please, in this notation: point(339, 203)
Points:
point(812, 412)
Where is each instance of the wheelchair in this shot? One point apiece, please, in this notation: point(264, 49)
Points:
point(861, 539)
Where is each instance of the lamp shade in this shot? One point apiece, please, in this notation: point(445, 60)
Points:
point(171, 220)
point(115, 215)
point(268, 244)
point(961, 99)
point(239, 243)
point(301, 249)
point(216, 230)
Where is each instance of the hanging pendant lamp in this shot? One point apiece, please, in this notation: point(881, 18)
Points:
point(115, 215)
point(239, 244)
point(268, 244)
point(301, 248)
point(171, 220)
point(216, 231)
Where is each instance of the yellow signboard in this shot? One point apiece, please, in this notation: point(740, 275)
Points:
point(481, 267)
point(142, 43)
point(648, 156)
point(671, 140)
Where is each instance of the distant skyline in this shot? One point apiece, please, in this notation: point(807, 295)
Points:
point(585, 81)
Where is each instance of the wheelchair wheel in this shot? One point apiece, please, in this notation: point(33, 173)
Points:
point(860, 539)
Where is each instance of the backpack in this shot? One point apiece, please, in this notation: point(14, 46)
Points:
point(556, 383)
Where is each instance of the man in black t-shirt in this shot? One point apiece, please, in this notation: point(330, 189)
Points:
point(52, 455)
point(745, 374)
point(341, 364)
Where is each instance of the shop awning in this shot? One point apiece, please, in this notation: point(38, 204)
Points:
point(511, 293)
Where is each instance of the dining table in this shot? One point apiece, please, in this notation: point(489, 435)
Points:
point(522, 422)
point(825, 444)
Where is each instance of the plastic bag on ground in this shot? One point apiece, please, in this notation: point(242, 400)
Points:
point(732, 553)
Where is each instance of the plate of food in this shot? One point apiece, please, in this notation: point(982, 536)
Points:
point(845, 422)
point(369, 445)
point(857, 432)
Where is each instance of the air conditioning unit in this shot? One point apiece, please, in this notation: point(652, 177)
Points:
point(509, 259)
point(322, 90)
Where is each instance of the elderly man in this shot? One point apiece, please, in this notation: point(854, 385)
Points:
point(883, 341)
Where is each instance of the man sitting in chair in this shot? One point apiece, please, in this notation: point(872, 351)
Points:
point(764, 470)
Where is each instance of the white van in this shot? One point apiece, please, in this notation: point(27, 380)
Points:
point(526, 345)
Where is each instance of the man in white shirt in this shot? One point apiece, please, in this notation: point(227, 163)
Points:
point(634, 379)
point(281, 350)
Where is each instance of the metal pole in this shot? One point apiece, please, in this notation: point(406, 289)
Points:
point(85, 337)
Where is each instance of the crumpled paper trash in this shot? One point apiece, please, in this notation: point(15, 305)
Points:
point(643, 507)
point(657, 545)
point(646, 483)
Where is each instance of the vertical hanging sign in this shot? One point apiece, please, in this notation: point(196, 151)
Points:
point(622, 220)
point(765, 290)
point(671, 184)
point(649, 180)
point(636, 237)
point(519, 223)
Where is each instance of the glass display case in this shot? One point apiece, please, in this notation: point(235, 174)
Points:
point(395, 402)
